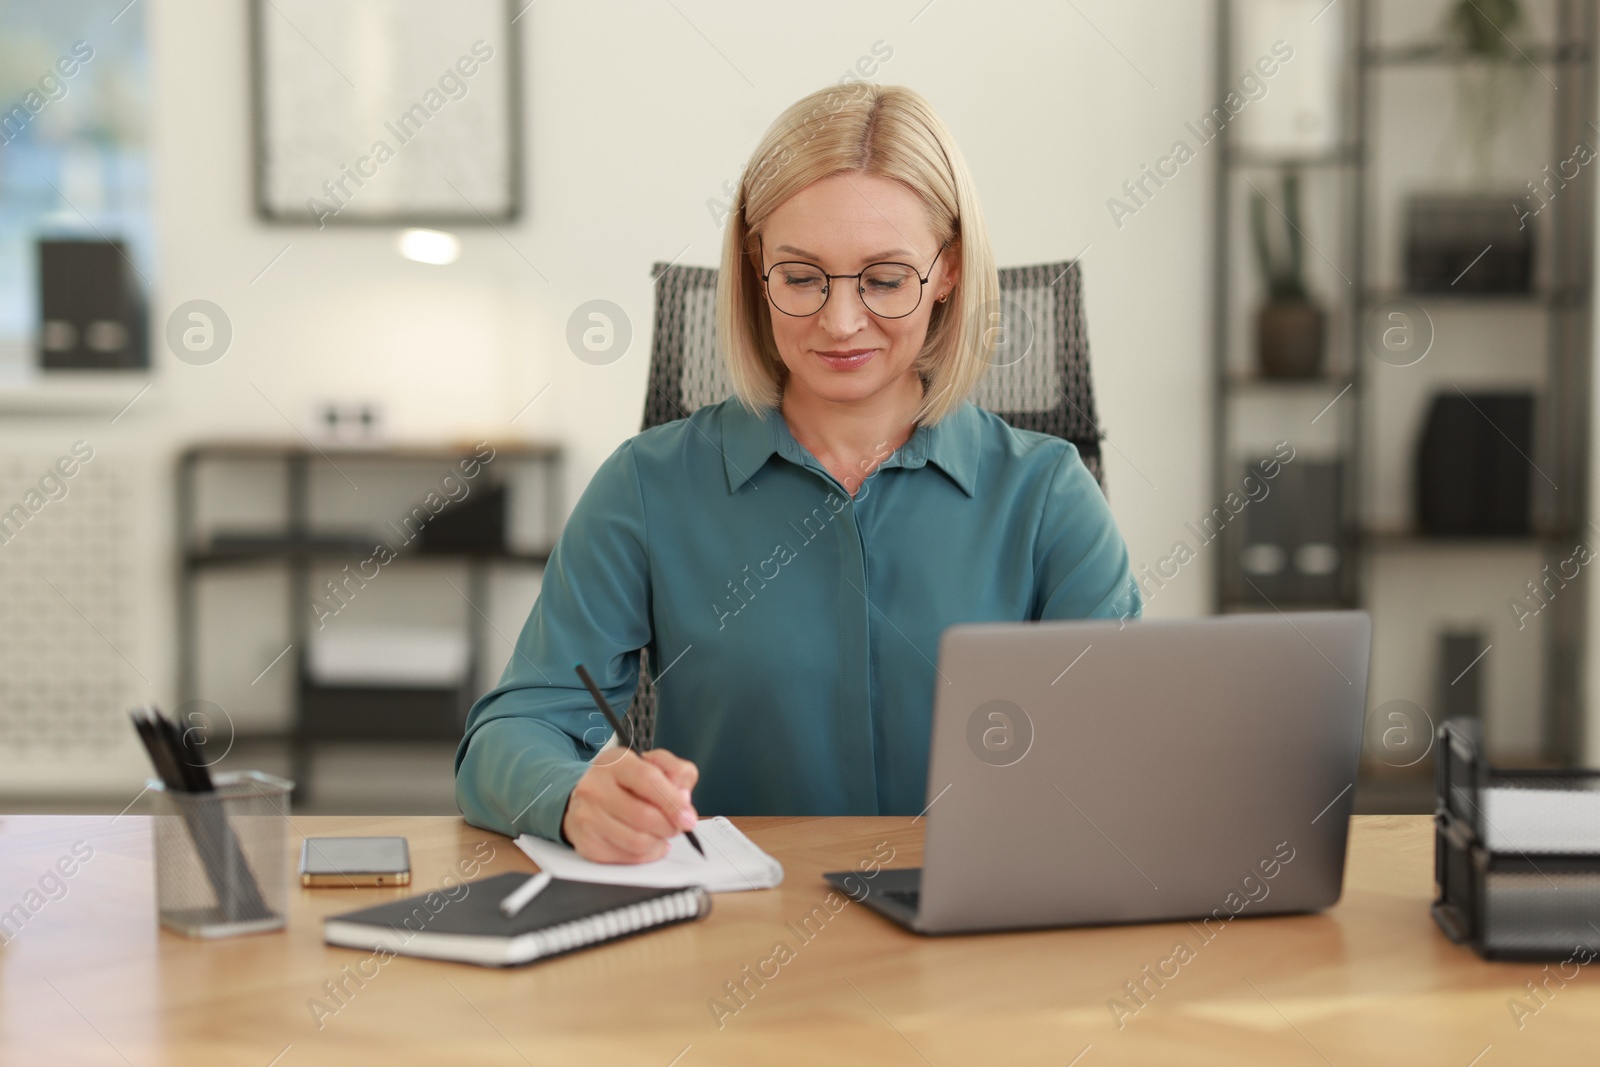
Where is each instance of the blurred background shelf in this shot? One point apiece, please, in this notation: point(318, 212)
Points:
point(1350, 178)
point(398, 663)
point(1416, 540)
point(1328, 382)
point(1463, 300)
point(1433, 54)
point(73, 392)
point(1346, 156)
point(271, 549)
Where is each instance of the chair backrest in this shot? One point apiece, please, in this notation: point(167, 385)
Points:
point(1040, 382)
point(1043, 385)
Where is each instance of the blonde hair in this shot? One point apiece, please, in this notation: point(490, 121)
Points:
point(884, 130)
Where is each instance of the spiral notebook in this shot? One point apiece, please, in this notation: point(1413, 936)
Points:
point(469, 928)
point(732, 862)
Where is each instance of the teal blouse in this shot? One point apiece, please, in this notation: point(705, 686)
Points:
point(792, 628)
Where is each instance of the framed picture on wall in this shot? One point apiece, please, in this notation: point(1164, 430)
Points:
point(396, 112)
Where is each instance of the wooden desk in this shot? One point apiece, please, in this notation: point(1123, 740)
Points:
point(90, 980)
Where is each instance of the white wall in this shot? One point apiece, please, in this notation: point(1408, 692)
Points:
point(636, 116)
point(635, 121)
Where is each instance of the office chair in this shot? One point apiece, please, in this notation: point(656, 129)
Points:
point(1048, 389)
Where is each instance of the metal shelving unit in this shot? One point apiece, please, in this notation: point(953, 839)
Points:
point(1559, 303)
point(398, 713)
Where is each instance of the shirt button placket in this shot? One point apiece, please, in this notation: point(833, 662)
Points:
point(855, 679)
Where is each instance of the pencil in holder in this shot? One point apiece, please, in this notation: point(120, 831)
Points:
point(222, 857)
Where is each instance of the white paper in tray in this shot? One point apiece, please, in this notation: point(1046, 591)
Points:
point(1541, 820)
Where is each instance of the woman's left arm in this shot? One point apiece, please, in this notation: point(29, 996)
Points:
point(1081, 563)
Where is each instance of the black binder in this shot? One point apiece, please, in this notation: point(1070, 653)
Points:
point(1474, 467)
point(1290, 543)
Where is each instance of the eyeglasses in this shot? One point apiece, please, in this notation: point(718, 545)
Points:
point(800, 289)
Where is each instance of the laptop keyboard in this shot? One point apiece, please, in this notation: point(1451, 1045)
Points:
point(909, 897)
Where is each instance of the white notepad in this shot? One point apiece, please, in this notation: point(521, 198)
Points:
point(732, 862)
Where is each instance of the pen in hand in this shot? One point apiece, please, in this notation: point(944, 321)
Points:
point(616, 725)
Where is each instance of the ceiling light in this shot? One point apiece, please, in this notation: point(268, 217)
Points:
point(430, 246)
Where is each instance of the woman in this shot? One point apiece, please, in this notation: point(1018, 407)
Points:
point(791, 555)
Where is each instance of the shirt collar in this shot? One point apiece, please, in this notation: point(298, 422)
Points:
point(750, 439)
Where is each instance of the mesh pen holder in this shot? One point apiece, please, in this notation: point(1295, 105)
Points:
point(222, 858)
point(1516, 854)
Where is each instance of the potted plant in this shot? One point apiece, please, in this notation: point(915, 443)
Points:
point(1290, 327)
point(1492, 85)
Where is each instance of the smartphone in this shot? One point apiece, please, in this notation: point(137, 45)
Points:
point(355, 861)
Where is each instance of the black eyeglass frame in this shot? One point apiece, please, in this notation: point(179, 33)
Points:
point(861, 290)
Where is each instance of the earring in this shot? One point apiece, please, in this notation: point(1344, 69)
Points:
point(943, 298)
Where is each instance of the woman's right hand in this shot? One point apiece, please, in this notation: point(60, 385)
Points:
point(628, 807)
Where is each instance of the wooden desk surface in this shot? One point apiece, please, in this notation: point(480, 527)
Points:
point(90, 979)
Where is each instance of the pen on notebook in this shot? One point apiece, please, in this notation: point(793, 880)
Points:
point(611, 717)
point(525, 892)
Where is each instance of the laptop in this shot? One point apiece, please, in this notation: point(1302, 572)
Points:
point(1102, 772)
